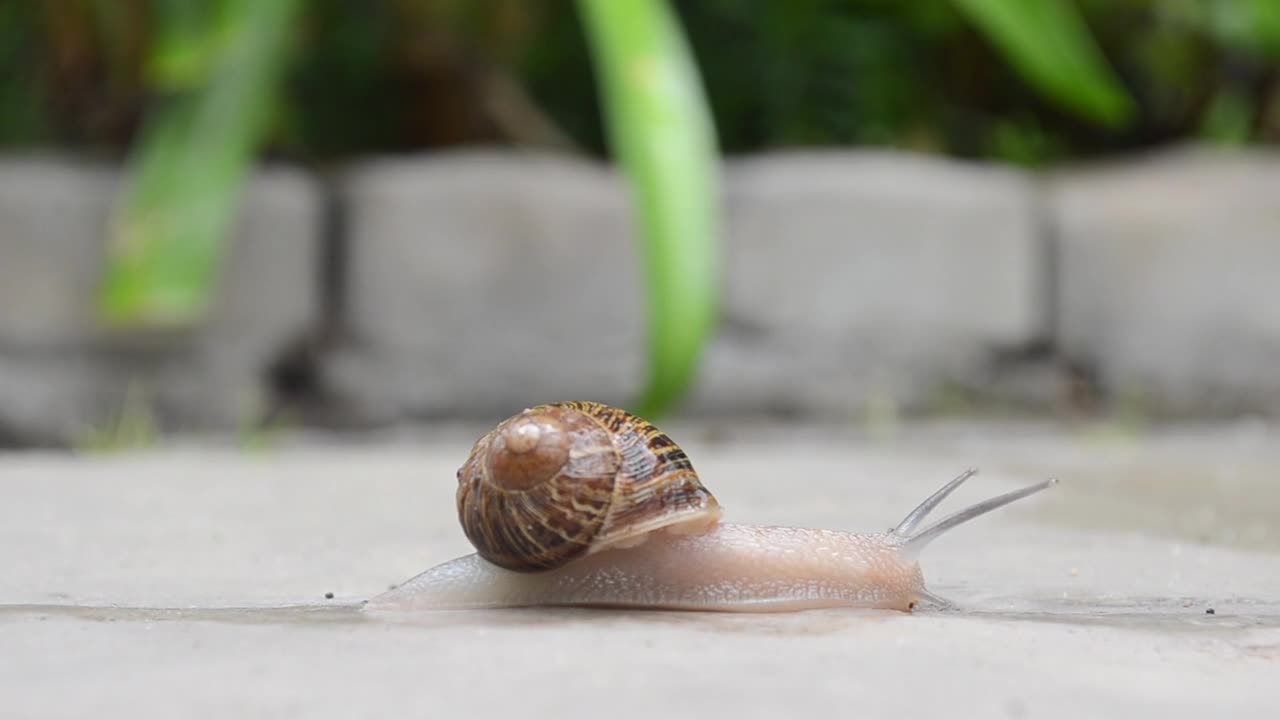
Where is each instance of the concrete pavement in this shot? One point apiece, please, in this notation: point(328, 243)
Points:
point(191, 582)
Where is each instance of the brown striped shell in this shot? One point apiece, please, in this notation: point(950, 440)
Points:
point(557, 482)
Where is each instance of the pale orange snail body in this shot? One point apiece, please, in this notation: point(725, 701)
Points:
point(583, 504)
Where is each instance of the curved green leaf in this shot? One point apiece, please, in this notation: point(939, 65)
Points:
point(1049, 44)
point(661, 132)
point(167, 237)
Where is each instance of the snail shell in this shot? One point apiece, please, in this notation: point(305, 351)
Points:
point(561, 481)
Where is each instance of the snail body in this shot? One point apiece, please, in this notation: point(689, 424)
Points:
point(632, 526)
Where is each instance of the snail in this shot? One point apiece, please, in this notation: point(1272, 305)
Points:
point(582, 504)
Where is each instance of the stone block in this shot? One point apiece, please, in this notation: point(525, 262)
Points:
point(859, 278)
point(480, 282)
point(61, 373)
point(53, 217)
point(1169, 278)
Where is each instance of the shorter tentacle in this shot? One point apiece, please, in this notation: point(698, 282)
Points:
point(915, 517)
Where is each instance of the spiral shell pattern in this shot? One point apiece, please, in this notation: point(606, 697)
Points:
point(560, 481)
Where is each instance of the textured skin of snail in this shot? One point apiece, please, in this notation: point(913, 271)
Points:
point(629, 524)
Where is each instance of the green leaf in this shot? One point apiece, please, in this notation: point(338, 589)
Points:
point(661, 131)
point(167, 238)
point(1049, 44)
point(1266, 22)
point(1251, 25)
point(1229, 117)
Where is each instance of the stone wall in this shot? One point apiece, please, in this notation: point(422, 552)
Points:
point(61, 377)
point(1168, 279)
point(467, 284)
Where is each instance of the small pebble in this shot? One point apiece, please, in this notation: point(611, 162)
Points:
point(328, 596)
point(1210, 611)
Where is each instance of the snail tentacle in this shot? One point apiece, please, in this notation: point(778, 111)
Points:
point(921, 511)
point(914, 543)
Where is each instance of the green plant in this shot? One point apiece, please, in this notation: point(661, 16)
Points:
point(131, 426)
point(218, 64)
point(662, 134)
point(1047, 41)
point(1020, 80)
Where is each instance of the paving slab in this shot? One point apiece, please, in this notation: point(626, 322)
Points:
point(191, 582)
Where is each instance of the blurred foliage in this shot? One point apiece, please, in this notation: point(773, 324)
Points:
point(133, 426)
point(193, 90)
point(387, 75)
point(660, 130)
point(1049, 44)
point(216, 65)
